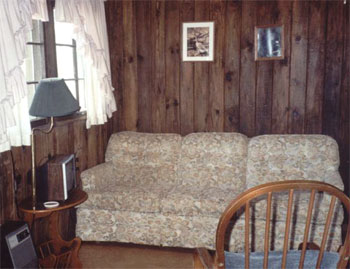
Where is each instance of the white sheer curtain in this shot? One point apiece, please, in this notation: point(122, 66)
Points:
point(88, 17)
point(15, 22)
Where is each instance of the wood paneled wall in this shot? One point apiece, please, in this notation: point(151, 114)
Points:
point(307, 92)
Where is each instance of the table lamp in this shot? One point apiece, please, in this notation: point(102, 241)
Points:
point(52, 99)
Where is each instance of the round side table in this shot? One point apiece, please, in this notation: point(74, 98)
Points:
point(56, 244)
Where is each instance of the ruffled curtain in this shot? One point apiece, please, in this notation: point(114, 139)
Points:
point(90, 30)
point(15, 22)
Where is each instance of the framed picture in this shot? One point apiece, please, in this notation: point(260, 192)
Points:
point(269, 42)
point(198, 41)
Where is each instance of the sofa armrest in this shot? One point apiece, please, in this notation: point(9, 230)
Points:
point(98, 178)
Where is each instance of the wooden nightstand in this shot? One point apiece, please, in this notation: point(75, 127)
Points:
point(56, 250)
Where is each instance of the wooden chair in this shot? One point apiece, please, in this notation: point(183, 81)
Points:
point(243, 202)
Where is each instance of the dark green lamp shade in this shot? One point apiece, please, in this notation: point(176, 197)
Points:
point(53, 99)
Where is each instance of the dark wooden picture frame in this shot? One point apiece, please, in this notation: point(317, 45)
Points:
point(269, 42)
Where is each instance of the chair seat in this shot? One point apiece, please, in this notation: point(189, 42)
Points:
point(236, 260)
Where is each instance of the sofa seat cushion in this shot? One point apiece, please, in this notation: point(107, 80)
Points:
point(133, 198)
point(214, 159)
point(197, 200)
point(108, 177)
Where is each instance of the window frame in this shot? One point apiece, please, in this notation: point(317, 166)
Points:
point(50, 61)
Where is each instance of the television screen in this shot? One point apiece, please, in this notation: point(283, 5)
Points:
point(68, 174)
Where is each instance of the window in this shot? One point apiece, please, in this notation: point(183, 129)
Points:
point(69, 62)
point(34, 64)
point(51, 52)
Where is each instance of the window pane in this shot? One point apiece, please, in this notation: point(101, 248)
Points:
point(65, 64)
point(82, 100)
point(31, 91)
point(29, 63)
point(34, 63)
point(71, 86)
point(37, 33)
point(63, 32)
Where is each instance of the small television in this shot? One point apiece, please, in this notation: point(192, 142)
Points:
point(56, 178)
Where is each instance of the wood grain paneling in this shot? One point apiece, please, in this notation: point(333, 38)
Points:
point(247, 80)
point(201, 77)
point(130, 82)
point(281, 73)
point(315, 67)
point(298, 66)
point(186, 77)
point(217, 68)
point(144, 62)
point(172, 60)
point(264, 75)
point(158, 65)
point(344, 140)
point(232, 65)
point(333, 66)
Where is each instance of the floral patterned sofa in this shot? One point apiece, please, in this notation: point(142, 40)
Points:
point(169, 190)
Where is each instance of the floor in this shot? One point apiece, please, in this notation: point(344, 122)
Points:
point(117, 255)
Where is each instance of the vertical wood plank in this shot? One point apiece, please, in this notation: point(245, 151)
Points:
point(216, 69)
point(264, 76)
point(186, 77)
point(172, 66)
point(158, 72)
point(80, 148)
point(7, 186)
point(334, 56)
point(248, 70)
point(62, 138)
point(280, 94)
point(144, 64)
point(92, 138)
point(232, 65)
point(315, 67)
point(344, 140)
point(201, 76)
point(22, 165)
point(100, 144)
point(114, 19)
point(298, 67)
point(130, 95)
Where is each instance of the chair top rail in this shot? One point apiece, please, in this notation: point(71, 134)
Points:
point(273, 187)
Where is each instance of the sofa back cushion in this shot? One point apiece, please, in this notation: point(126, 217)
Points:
point(293, 157)
point(144, 153)
point(214, 160)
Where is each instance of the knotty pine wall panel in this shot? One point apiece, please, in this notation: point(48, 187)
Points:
point(307, 92)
